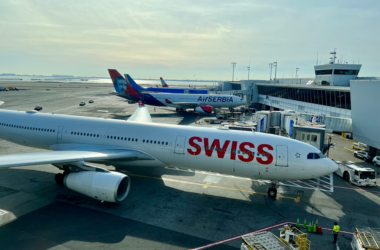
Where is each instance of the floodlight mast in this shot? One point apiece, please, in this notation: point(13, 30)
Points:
point(270, 66)
point(249, 68)
point(297, 69)
point(333, 64)
point(275, 72)
point(233, 69)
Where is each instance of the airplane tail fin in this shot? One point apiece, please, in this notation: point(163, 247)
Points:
point(163, 83)
point(119, 83)
point(133, 83)
point(131, 90)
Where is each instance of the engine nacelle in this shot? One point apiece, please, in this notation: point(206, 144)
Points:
point(111, 187)
point(203, 109)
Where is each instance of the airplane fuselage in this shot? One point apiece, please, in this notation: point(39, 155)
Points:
point(239, 153)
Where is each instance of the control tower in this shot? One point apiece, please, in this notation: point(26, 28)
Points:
point(336, 74)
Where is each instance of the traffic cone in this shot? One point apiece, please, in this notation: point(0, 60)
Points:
point(298, 223)
point(309, 229)
point(315, 227)
point(304, 224)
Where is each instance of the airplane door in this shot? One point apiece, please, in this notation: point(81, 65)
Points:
point(282, 156)
point(59, 135)
point(180, 145)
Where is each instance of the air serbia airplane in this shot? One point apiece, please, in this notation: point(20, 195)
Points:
point(202, 103)
point(76, 142)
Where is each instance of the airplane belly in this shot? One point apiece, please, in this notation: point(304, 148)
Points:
point(273, 172)
point(246, 169)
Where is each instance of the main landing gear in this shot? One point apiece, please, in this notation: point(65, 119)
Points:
point(272, 191)
point(181, 110)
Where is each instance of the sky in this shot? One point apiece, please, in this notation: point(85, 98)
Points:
point(186, 39)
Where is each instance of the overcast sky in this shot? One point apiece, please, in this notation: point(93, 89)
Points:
point(185, 39)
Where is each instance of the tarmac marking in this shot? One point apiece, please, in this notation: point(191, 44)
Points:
point(200, 184)
point(349, 149)
point(208, 184)
point(288, 183)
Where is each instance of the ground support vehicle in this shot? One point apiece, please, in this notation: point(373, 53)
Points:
point(359, 146)
point(365, 238)
point(357, 175)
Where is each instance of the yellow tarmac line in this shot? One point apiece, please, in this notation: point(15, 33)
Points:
point(209, 185)
point(349, 149)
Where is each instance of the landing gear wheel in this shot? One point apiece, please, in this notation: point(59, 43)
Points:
point(374, 163)
point(59, 178)
point(355, 155)
point(272, 192)
point(177, 109)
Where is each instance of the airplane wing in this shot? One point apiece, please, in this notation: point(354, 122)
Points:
point(141, 114)
point(54, 157)
point(192, 104)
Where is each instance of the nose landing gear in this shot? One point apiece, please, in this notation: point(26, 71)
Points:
point(272, 191)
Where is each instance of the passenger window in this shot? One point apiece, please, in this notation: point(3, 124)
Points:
point(71, 132)
point(243, 152)
point(98, 136)
point(143, 140)
point(234, 151)
point(220, 149)
point(108, 136)
point(129, 139)
point(207, 148)
point(118, 138)
point(356, 172)
point(151, 141)
point(133, 139)
point(216, 149)
point(166, 143)
point(154, 142)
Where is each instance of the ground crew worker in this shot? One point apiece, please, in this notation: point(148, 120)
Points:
point(336, 231)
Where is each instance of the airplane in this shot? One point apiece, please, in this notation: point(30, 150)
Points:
point(202, 103)
point(120, 85)
point(163, 83)
point(75, 142)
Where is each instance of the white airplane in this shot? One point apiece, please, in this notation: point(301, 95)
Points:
point(76, 142)
point(163, 83)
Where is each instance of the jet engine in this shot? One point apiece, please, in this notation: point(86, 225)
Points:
point(111, 186)
point(203, 109)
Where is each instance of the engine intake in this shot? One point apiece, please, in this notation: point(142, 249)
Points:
point(111, 187)
point(203, 109)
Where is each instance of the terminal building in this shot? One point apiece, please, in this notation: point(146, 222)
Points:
point(331, 94)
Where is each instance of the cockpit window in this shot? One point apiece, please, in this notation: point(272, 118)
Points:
point(314, 156)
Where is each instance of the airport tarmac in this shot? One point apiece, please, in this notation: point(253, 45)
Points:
point(167, 208)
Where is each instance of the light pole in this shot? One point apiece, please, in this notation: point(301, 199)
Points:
point(270, 66)
point(333, 63)
point(297, 69)
point(249, 68)
point(233, 69)
point(275, 72)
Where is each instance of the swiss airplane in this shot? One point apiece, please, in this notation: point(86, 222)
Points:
point(76, 142)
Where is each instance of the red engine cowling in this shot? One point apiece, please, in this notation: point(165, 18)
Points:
point(203, 109)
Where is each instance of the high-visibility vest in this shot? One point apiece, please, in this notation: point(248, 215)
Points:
point(336, 229)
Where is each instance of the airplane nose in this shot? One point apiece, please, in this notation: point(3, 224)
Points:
point(333, 166)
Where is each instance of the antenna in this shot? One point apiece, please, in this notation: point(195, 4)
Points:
point(249, 68)
point(233, 69)
point(317, 58)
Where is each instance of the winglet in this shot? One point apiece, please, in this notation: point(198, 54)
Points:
point(163, 83)
point(141, 114)
point(1, 102)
